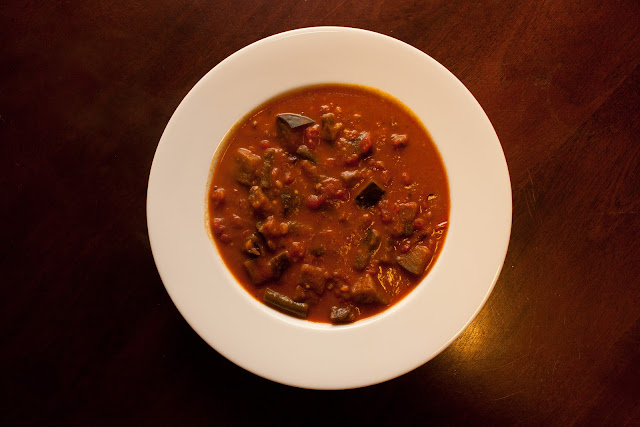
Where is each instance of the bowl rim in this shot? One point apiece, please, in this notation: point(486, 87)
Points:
point(285, 323)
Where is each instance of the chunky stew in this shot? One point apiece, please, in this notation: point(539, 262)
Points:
point(329, 203)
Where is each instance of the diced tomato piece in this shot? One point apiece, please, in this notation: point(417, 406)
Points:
point(312, 136)
point(365, 143)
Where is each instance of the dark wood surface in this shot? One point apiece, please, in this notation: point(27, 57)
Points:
point(89, 335)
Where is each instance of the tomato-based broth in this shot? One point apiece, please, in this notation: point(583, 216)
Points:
point(329, 203)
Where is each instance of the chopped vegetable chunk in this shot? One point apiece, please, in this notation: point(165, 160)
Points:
point(290, 202)
point(253, 245)
point(259, 270)
point(313, 278)
point(366, 291)
point(399, 140)
point(247, 165)
point(416, 260)
point(370, 195)
point(284, 303)
point(279, 264)
point(267, 167)
point(305, 152)
point(367, 247)
point(330, 128)
point(258, 200)
point(294, 121)
point(403, 223)
point(290, 129)
point(345, 314)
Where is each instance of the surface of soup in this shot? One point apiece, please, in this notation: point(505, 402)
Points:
point(329, 203)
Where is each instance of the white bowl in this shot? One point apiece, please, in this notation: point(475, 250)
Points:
point(299, 352)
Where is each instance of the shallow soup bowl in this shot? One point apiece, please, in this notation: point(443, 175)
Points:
point(299, 352)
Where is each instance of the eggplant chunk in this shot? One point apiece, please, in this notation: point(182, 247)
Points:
point(366, 249)
point(370, 195)
point(259, 270)
point(313, 278)
point(403, 223)
point(366, 291)
point(305, 152)
point(416, 260)
point(258, 200)
point(387, 253)
point(285, 304)
point(371, 240)
point(345, 314)
point(330, 129)
point(247, 167)
point(253, 245)
point(294, 121)
point(290, 128)
point(267, 167)
point(290, 202)
point(279, 264)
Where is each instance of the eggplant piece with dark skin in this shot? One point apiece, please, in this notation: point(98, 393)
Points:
point(416, 260)
point(370, 195)
point(261, 271)
point(290, 128)
point(294, 121)
point(285, 304)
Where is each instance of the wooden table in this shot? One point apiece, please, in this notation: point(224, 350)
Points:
point(90, 336)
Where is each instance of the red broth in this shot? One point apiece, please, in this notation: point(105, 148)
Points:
point(329, 203)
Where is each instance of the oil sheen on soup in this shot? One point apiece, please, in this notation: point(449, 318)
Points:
point(329, 203)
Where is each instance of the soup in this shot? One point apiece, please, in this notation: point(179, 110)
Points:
point(329, 203)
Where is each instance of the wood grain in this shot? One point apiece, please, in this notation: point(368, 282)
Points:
point(89, 335)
